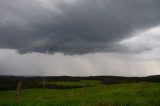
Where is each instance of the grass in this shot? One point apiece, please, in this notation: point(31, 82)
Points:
point(132, 94)
point(83, 83)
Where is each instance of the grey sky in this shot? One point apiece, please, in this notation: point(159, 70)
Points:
point(12, 63)
point(80, 28)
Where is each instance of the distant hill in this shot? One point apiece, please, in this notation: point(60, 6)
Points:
point(10, 82)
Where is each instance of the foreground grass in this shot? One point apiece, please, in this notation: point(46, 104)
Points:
point(133, 94)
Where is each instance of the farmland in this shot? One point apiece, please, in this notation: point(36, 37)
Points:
point(131, 94)
point(82, 92)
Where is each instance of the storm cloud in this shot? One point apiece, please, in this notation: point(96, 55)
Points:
point(74, 26)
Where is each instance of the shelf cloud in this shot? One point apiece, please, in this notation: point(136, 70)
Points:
point(73, 26)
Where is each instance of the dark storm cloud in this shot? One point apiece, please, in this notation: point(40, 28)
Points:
point(75, 28)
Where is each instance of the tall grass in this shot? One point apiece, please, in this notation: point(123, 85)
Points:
point(133, 94)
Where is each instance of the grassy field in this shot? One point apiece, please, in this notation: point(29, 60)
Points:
point(131, 94)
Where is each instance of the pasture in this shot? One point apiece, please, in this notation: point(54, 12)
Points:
point(92, 93)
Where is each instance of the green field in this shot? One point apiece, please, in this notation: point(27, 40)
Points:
point(131, 94)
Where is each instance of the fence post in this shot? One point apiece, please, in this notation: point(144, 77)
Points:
point(18, 90)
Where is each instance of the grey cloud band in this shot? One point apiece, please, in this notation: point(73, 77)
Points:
point(84, 26)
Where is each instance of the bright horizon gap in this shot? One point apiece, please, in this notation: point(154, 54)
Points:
point(58, 64)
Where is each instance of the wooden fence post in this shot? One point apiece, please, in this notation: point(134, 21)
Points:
point(18, 90)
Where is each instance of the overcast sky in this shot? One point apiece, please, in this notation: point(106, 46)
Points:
point(80, 37)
